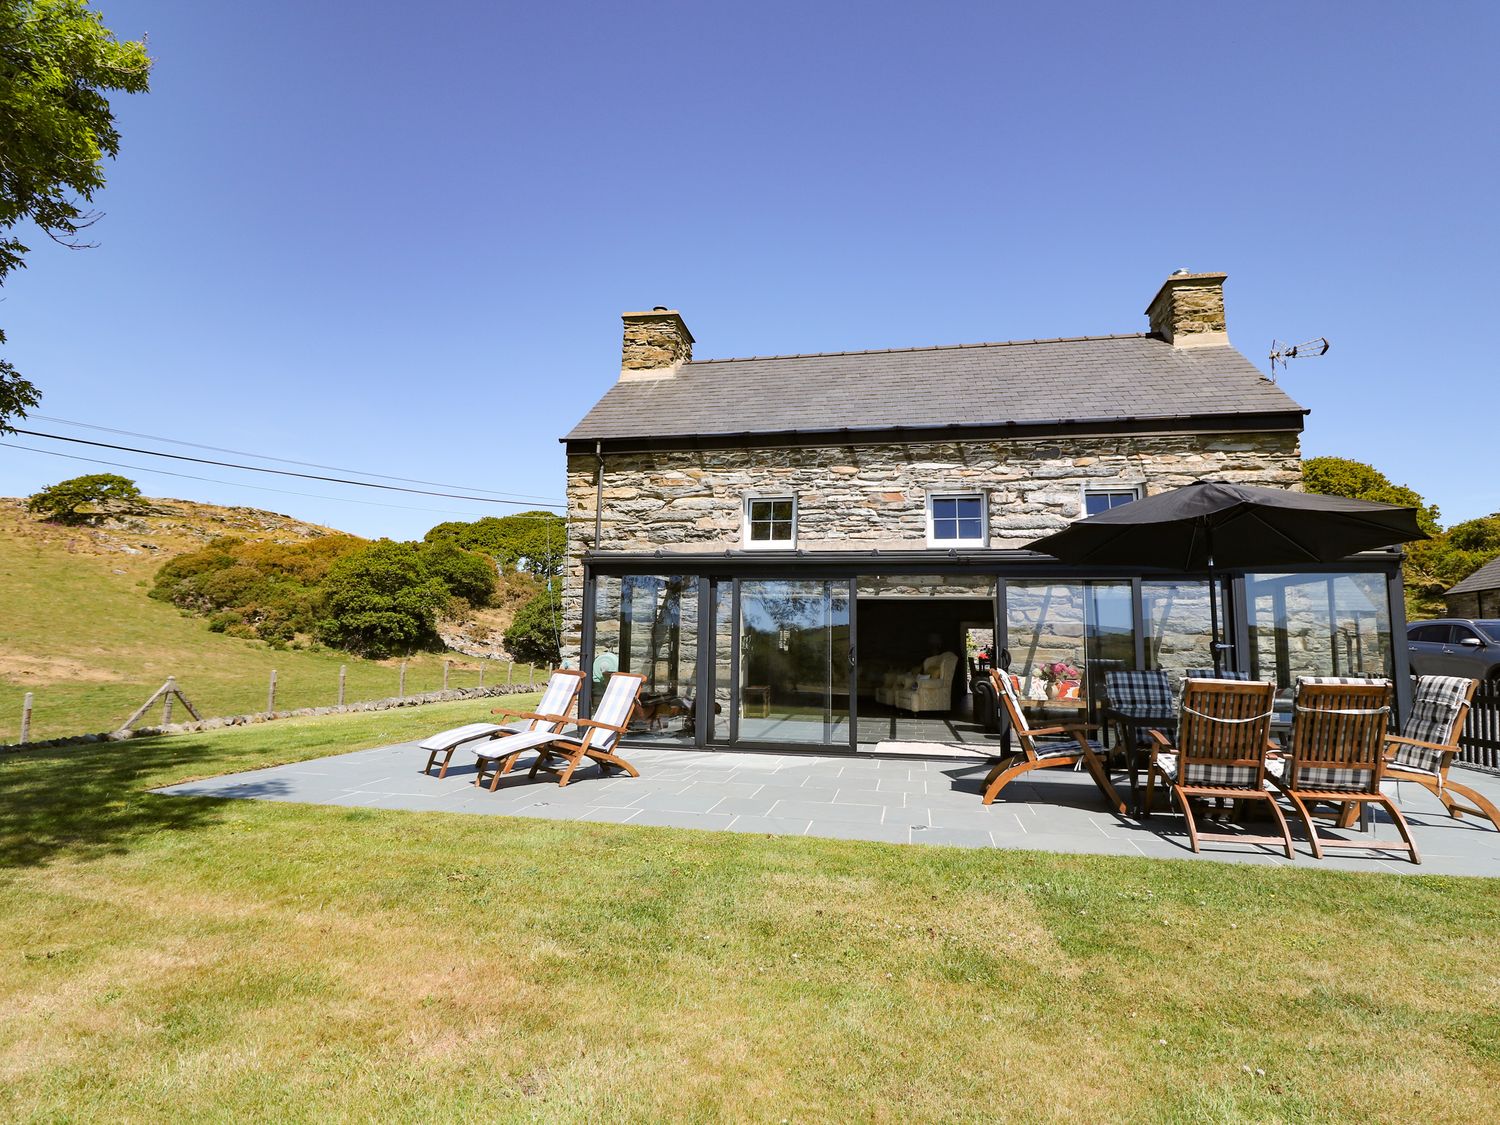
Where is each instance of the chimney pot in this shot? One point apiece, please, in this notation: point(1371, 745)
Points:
point(1188, 310)
point(656, 344)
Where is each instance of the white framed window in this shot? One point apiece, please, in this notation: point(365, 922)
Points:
point(771, 522)
point(956, 519)
point(1096, 500)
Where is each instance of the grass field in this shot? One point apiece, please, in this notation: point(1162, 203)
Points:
point(80, 633)
point(170, 958)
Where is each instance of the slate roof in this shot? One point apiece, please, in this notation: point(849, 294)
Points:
point(1026, 382)
point(1486, 577)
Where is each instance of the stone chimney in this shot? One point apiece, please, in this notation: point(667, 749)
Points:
point(656, 344)
point(1188, 310)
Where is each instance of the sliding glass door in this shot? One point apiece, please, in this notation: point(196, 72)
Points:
point(790, 669)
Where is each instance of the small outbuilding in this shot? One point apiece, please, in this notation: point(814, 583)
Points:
point(1477, 595)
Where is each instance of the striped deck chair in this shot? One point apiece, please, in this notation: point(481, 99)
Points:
point(1428, 743)
point(596, 739)
point(1223, 734)
point(550, 714)
point(1045, 748)
point(1337, 754)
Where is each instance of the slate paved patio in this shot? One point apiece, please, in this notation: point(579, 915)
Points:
point(904, 801)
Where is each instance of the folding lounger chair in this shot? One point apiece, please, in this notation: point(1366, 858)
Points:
point(1337, 755)
point(1428, 743)
point(550, 714)
point(596, 738)
point(1045, 748)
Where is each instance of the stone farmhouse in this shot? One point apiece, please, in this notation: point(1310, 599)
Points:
point(825, 550)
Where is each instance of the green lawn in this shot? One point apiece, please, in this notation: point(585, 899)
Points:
point(176, 958)
point(120, 646)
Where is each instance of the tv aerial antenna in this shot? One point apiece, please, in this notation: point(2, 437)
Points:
point(1283, 353)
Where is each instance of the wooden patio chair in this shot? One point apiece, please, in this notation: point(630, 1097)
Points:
point(1424, 750)
point(600, 735)
point(1336, 754)
point(1223, 735)
point(1044, 748)
point(551, 713)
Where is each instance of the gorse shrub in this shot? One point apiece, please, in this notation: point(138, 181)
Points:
point(369, 598)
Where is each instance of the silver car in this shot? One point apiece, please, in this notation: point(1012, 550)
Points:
point(1454, 646)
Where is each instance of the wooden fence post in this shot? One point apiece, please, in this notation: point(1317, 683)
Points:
point(401, 686)
point(446, 665)
point(531, 674)
point(271, 694)
point(26, 717)
point(166, 700)
point(481, 671)
point(510, 666)
point(343, 671)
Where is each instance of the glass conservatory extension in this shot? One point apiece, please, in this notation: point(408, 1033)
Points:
point(859, 654)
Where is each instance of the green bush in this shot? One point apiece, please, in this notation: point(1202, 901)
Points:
point(467, 575)
point(382, 600)
point(534, 634)
point(100, 493)
point(268, 590)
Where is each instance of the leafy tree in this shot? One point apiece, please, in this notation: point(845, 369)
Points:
point(58, 62)
point(65, 501)
point(1437, 564)
point(534, 542)
point(467, 575)
point(1339, 476)
point(533, 635)
point(381, 600)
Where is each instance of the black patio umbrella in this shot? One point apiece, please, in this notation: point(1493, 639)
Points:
point(1215, 523)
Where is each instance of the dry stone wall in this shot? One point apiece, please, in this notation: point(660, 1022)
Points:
point(874, 497)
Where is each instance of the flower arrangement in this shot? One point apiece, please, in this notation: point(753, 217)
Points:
point(1059, 672)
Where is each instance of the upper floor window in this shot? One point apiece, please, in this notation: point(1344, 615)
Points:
point(1096, 500)
point(956, 520)
point(770, 521)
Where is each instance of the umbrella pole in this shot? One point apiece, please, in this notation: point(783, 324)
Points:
point(1213, 618)
point(1213, 604)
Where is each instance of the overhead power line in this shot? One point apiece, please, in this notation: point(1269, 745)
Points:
point(289, 461)
point(256, 487)
point(276, 472)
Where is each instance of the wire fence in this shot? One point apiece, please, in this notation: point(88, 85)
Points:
point(61, 711)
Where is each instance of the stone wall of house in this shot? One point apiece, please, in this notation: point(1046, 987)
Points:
point(874, 497)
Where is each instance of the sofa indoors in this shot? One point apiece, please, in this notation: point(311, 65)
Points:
point(926, 688)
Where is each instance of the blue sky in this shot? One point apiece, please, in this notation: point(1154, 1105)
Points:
point(398, 238)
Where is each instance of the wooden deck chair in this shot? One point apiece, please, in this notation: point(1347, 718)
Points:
point(1044, 748)
point(1428, 743)
point(600, 735)
point(551, 714)
point(1223, 734)
point(1337, 755)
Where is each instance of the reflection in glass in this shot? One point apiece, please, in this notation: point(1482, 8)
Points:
point(1318, 625)
point(794, 661)
point(649, 624)
point(1085, 628)
point(1178, 624)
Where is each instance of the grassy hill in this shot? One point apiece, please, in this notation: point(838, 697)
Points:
point(80, 633)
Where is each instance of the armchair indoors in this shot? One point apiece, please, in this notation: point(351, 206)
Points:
point(929, 688)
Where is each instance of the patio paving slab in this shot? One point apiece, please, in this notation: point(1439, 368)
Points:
point(893, 800)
